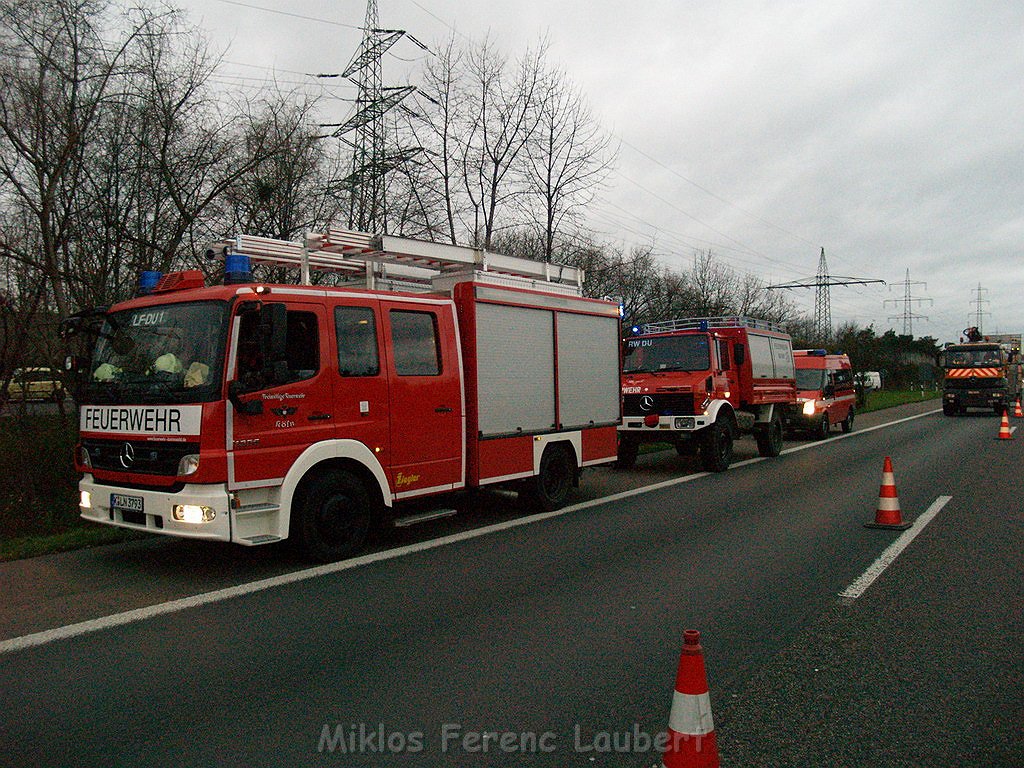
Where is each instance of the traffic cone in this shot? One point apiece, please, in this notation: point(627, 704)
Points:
point(887, 515)
point(1004, 428)
point(1017, 412)
point(691, 729)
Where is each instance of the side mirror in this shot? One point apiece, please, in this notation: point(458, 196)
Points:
point(739, 353)
point(248, 407)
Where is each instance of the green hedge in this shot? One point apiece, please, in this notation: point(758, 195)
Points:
point(38, 483)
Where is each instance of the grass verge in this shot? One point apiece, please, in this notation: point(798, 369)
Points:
point(79, 537)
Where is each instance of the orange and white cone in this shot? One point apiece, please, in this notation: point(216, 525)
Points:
point(1004, 428)
point(887, 514)
point(1017, 412)
point(691, 729)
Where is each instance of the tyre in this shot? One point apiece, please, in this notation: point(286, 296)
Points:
point(628, 449)
point(847, 423)
point(949, 409)
point(335, 514)
point(716, 447)
point(822, 429)
point(549, 489)
point(769, 438)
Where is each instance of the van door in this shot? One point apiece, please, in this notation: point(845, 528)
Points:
point(425, 396)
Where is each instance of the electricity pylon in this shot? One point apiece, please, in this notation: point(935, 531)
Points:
point(823, 297)
point(370, 159)
point(908, 315)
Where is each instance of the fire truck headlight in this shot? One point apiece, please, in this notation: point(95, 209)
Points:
point(193, 513)
point(188, 465)
point(684, 423)
point(809, 408)
point(85, 500)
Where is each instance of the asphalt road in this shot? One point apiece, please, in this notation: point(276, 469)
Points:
point(565, 632)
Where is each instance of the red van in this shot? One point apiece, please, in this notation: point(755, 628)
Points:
point(825, 394)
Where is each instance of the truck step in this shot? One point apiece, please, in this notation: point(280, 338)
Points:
point(423, 517)
point(263, 538)
point(256, 509)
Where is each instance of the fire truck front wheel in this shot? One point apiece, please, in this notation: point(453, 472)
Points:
point(716, 447)
point(549, 489)
point(822, 429)
point(629, 446)
point(335, 513)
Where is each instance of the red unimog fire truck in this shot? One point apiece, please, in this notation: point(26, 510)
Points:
point(825, 394)
point(250, 412)
point(701, 382)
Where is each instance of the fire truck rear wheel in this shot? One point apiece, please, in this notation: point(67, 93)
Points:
point(769, 438)
point(716, 447)
point(822, 430)
point(551, 486)
point(335, 516)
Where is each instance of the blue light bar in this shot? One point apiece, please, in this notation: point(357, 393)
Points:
point(237, 269)
point(147, 282)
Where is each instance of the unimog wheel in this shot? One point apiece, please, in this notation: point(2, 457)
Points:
point(716, 447)
point(769, 438)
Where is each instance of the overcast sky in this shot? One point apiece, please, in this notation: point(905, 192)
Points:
point(888, 133)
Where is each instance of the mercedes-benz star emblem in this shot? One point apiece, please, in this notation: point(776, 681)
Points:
point(646, 402)
point(127, 456)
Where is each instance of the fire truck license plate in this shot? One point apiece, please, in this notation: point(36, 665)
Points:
point(126, 503)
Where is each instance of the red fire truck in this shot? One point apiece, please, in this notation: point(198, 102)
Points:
point(701, 382)
point(251, 412)
point(825, 393)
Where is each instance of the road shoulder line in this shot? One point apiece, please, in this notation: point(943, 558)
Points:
point(888, 557)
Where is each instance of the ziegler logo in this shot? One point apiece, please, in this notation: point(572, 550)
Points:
point(401, 479)
point(284, 410)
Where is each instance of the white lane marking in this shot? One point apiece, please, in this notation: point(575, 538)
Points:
point(866, 579)
point(833, 438)
point(206, 598)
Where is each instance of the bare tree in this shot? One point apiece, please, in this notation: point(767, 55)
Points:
point(59, 74)
point(502, 117)
point(568, 156)
point(435, 127)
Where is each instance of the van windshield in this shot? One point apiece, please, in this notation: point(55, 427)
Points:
point(810, 379)
point(667, 353)
point(160, 354)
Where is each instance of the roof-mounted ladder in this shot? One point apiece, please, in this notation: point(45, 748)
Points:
point(418, 261)
point(710, 323)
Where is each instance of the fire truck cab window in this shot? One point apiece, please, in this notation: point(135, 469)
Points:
point(357, 341)
point(415, 342)
point(302, 346)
